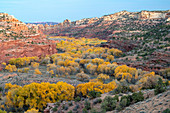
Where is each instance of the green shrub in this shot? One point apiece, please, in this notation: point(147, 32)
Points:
point(70, 103)
point(65, 107)
point(1, 89)
point(70, 111)
point(99, 100)
point(121, 89)
point(116, 97)
point(118, 107)
point(160, 87)
point(123, 103)
point(57, 104)
point(136, 97)
point(166, 111)
point(128, 98)
point(87, 104)
point(76, 107)
point(85, 110)
point(98, 94)
point(55, 109)
point(77, 99)
point(94, 94)
point(93, 111)
point(108, 103)
point(167, 83)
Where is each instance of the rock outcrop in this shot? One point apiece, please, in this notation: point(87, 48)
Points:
point(105, 26)
point(18, 39)
point(12, 28)
point(154, 14)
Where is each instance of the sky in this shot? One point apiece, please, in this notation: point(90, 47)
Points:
point(59, 10)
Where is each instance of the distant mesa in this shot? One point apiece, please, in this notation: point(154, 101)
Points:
point(43, 23)
point(105, 26)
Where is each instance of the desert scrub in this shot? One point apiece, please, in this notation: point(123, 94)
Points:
point(120, 89)
point(94, 94)
point(96, 101)
point(87, 104)
point(160, 87)
point(55, 109)
point(123, 103)
point(70, 111)
point(70, 103)
point(136, 97)
point(118, 107)
point(108, 103)
point(116, 97)
point(77, 99)
point(84, 110)
point(76, 107)
point(65, 107)
point(166, 110)
point(127, 99)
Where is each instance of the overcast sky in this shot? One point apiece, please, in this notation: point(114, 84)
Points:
point(59, 10)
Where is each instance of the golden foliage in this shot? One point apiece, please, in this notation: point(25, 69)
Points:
point(11, 68)
point(115, 52)
point(60, 63)
point(95, 86)
point(109, 58)
point(3, 63)
point(122, 76)
point(34, 64)
point(32, 110)
point(37, 95)
point(37, 72)
point(51, 66)
point(10, 86)
point(51, 72)
point(25, 70)
point(125, 69)
point(103, 77)
point(20, 70)
point(147, 76)
point(22, 61)
point(97, 61)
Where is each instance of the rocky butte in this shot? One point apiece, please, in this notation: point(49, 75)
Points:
point(18, 39)
point(105, 26)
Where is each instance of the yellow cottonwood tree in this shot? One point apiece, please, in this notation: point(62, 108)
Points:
point(22, 61)
point(95, 86)
point(109, 58)
point(103, 77)
point(125, 69)
point(37, 95)
point(11, 68)
point(122, 76)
